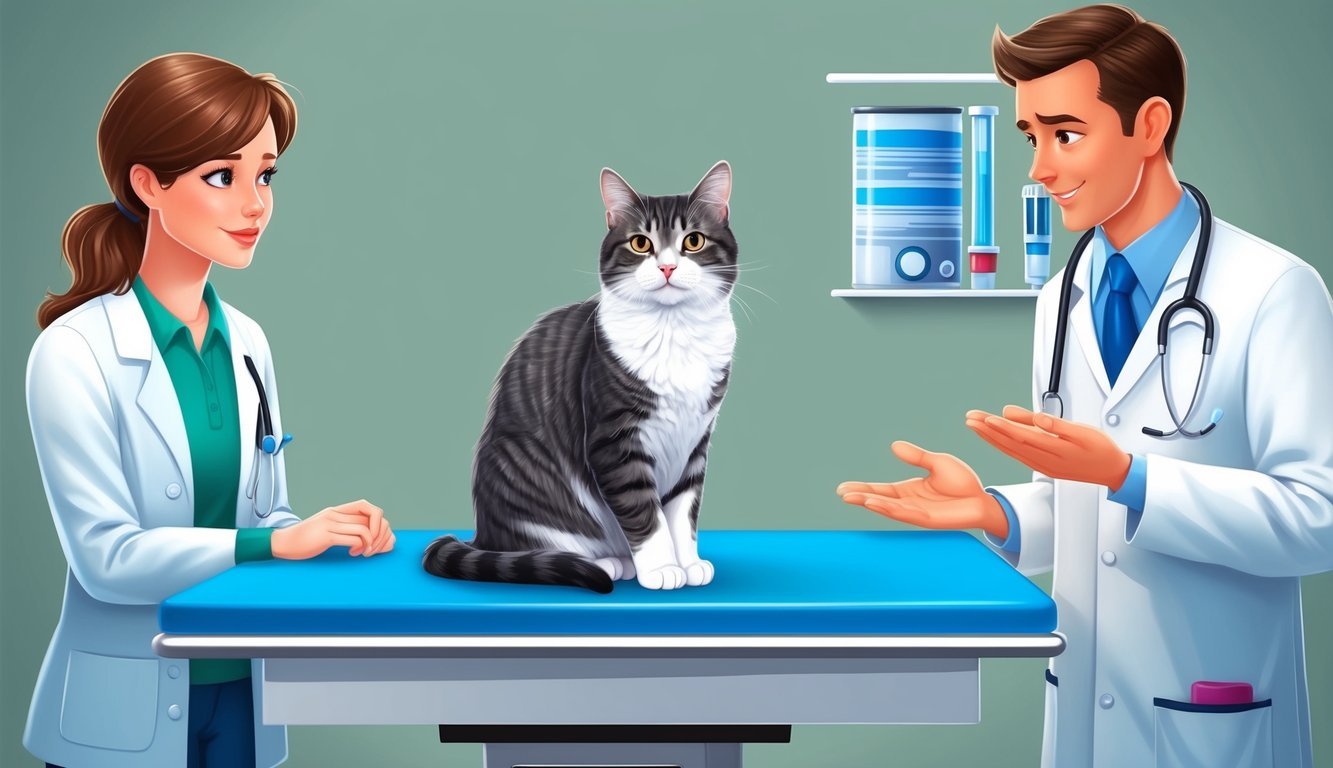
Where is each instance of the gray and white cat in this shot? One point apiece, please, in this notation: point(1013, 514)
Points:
point(590, 467)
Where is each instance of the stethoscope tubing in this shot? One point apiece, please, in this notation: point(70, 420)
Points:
point(267, 445)
point(1190, 301)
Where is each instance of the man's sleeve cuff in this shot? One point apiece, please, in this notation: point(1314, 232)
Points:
point(1015, 541)
point(1133, 494)
point(254, 544)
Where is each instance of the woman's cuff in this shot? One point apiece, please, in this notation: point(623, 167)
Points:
point(253, 544)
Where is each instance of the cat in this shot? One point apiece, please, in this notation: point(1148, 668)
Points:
point(590, 466)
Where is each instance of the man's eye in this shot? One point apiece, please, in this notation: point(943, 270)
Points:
point(1068, 137)
point(1032, 140)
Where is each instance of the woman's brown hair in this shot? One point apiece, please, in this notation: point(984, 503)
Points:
point(1136, 59)
point(173, 113)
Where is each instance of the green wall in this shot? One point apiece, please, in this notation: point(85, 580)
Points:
point(441, 193)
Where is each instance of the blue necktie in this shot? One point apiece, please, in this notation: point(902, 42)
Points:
point(1118, 327)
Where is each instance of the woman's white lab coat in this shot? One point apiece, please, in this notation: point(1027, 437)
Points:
point(1206, 585)
point(115, 463)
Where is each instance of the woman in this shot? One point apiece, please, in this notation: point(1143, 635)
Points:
point(154, 411)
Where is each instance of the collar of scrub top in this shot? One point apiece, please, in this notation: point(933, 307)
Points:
point(167, 328)
point(1151, 257)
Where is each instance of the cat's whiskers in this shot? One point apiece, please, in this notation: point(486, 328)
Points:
point(745, 308)
point(714, 269)
point(741, 265)
point(756, 290)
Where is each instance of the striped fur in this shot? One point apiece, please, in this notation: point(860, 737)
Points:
point(591, 463)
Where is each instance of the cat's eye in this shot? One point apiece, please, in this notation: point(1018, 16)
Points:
point(694, 242)
point(640, 244)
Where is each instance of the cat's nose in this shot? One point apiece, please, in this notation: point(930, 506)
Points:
point(667, 270)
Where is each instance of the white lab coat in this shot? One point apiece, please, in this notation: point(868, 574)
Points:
point(115, 462)
point(1207, 586)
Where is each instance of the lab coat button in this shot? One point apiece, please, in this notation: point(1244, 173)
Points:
point(1106, 701)
point(1113, 419)
point(1108, 557)
point(174, 711)
point(173, 491)
point(173, 672)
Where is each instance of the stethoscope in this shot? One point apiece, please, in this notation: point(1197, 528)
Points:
point(1052, 404)
point(267, 445)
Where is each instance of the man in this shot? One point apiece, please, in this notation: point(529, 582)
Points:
point(1177, 559)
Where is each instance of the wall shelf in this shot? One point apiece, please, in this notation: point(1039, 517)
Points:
point(922, 293)
point(872, 78)
point(898, 78)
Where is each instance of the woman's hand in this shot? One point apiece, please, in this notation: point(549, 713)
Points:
point(949, 496)
point(359, 525)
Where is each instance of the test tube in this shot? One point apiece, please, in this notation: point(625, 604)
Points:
point(983, 253)
point(1036, 234)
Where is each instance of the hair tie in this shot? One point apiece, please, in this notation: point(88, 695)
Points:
point(126, 212)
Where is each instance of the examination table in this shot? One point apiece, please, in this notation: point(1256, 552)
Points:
point(797, 627)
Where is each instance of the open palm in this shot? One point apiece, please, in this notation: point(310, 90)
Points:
point(949, 496)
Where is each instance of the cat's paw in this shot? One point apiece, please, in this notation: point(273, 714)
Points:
point(617, 568)
point(698, 573)
point(667, 577)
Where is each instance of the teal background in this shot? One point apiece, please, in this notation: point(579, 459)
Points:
point(441, 193)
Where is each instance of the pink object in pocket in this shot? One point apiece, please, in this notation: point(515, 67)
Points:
point(1209, 692)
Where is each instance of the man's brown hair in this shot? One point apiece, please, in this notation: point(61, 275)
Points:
point(1136, 59)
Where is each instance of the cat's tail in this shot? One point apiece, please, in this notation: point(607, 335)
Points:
point(453, 559)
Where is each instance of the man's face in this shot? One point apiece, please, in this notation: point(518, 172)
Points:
point(1080, 152)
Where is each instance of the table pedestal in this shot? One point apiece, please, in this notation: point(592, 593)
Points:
point(614, 746)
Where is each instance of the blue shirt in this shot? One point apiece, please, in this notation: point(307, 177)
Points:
point(1146, 257)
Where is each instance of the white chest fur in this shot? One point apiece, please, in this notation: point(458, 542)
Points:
point(680, 353)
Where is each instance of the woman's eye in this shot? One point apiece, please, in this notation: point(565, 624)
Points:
point(640, 244)
point(694, 241)
point(1032, 140)
point(266, 178)
point(1068, 137)
point(220, 178)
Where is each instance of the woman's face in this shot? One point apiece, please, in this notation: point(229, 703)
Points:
point(220, 208)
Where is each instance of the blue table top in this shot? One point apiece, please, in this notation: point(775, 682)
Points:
point(767, 583)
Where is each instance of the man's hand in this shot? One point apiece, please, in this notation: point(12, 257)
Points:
point(359, 525)
point(1057, 448)
point(949, 496)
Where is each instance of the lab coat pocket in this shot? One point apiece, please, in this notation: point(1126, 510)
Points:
point(1208, 735)
point(110, 702)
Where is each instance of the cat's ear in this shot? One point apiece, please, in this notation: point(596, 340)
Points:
point(714, 189)
point(619, 197)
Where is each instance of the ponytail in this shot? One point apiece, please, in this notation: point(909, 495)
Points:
point(104, 249)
